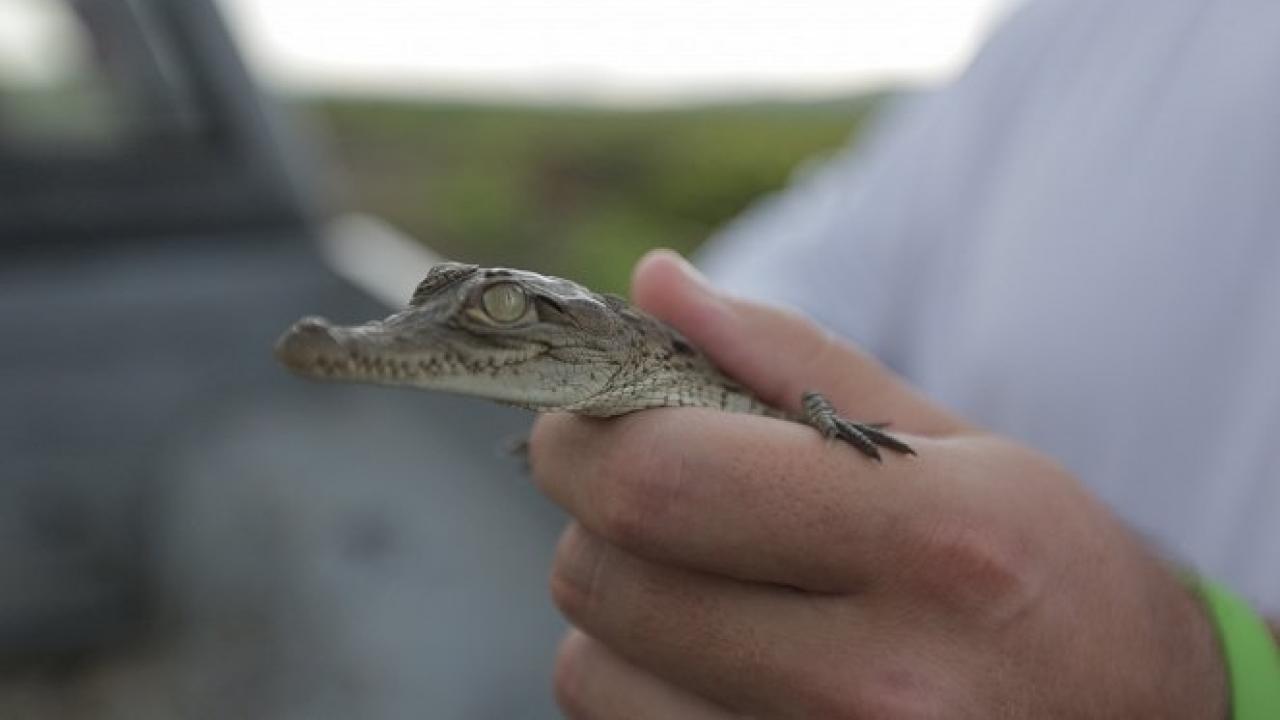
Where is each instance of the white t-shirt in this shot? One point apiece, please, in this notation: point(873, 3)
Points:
point(1076, 244)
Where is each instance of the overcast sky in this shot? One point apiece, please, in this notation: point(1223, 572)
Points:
point(608, 50)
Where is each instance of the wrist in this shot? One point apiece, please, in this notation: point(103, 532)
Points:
point(1250, 650)
point(1196, 684)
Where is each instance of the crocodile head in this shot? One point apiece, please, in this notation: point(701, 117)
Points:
point(508, 335)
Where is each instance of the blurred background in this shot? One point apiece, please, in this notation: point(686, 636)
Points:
point(569, 137)
point(186, 530)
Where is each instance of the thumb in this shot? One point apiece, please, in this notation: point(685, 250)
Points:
point(777, 353)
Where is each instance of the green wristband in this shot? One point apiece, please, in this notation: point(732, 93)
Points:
point(1253, 660)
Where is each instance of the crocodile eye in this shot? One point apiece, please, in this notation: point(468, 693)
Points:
point(504, 302)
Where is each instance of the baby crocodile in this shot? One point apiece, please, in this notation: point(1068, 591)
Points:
point(542, 343)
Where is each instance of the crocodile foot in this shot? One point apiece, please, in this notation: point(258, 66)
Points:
point(868, 438)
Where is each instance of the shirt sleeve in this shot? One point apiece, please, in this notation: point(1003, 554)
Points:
point(834, 245)
point(862, 242)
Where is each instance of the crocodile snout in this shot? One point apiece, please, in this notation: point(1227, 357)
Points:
point(310, 341)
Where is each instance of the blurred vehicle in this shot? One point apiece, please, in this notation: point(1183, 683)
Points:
point(187, 530)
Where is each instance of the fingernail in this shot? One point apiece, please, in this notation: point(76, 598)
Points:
point(692, 273)
point(692, 287)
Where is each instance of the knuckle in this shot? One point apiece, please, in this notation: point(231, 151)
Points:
point(631, 512)
point(545, 438)
point(575, 574)
point(647, 484)
point(571, 598)
point(833, 693)
point(893, 689)
point(975, 566)
point(840, 703)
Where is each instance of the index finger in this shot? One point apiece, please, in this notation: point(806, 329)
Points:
point(779, 354)
point(749, 497)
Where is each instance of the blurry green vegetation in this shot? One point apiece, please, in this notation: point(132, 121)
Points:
point(578, 192)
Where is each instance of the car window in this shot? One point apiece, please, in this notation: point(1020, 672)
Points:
point(88, 77)
point(134, 118)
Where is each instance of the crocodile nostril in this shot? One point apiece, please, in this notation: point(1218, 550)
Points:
point(309, 340)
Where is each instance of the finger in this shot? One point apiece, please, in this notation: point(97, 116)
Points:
point(747, 647)
point(777, 353)
point(594, 683)
point(743, 496)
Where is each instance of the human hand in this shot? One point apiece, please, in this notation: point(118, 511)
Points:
point(723, 565)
